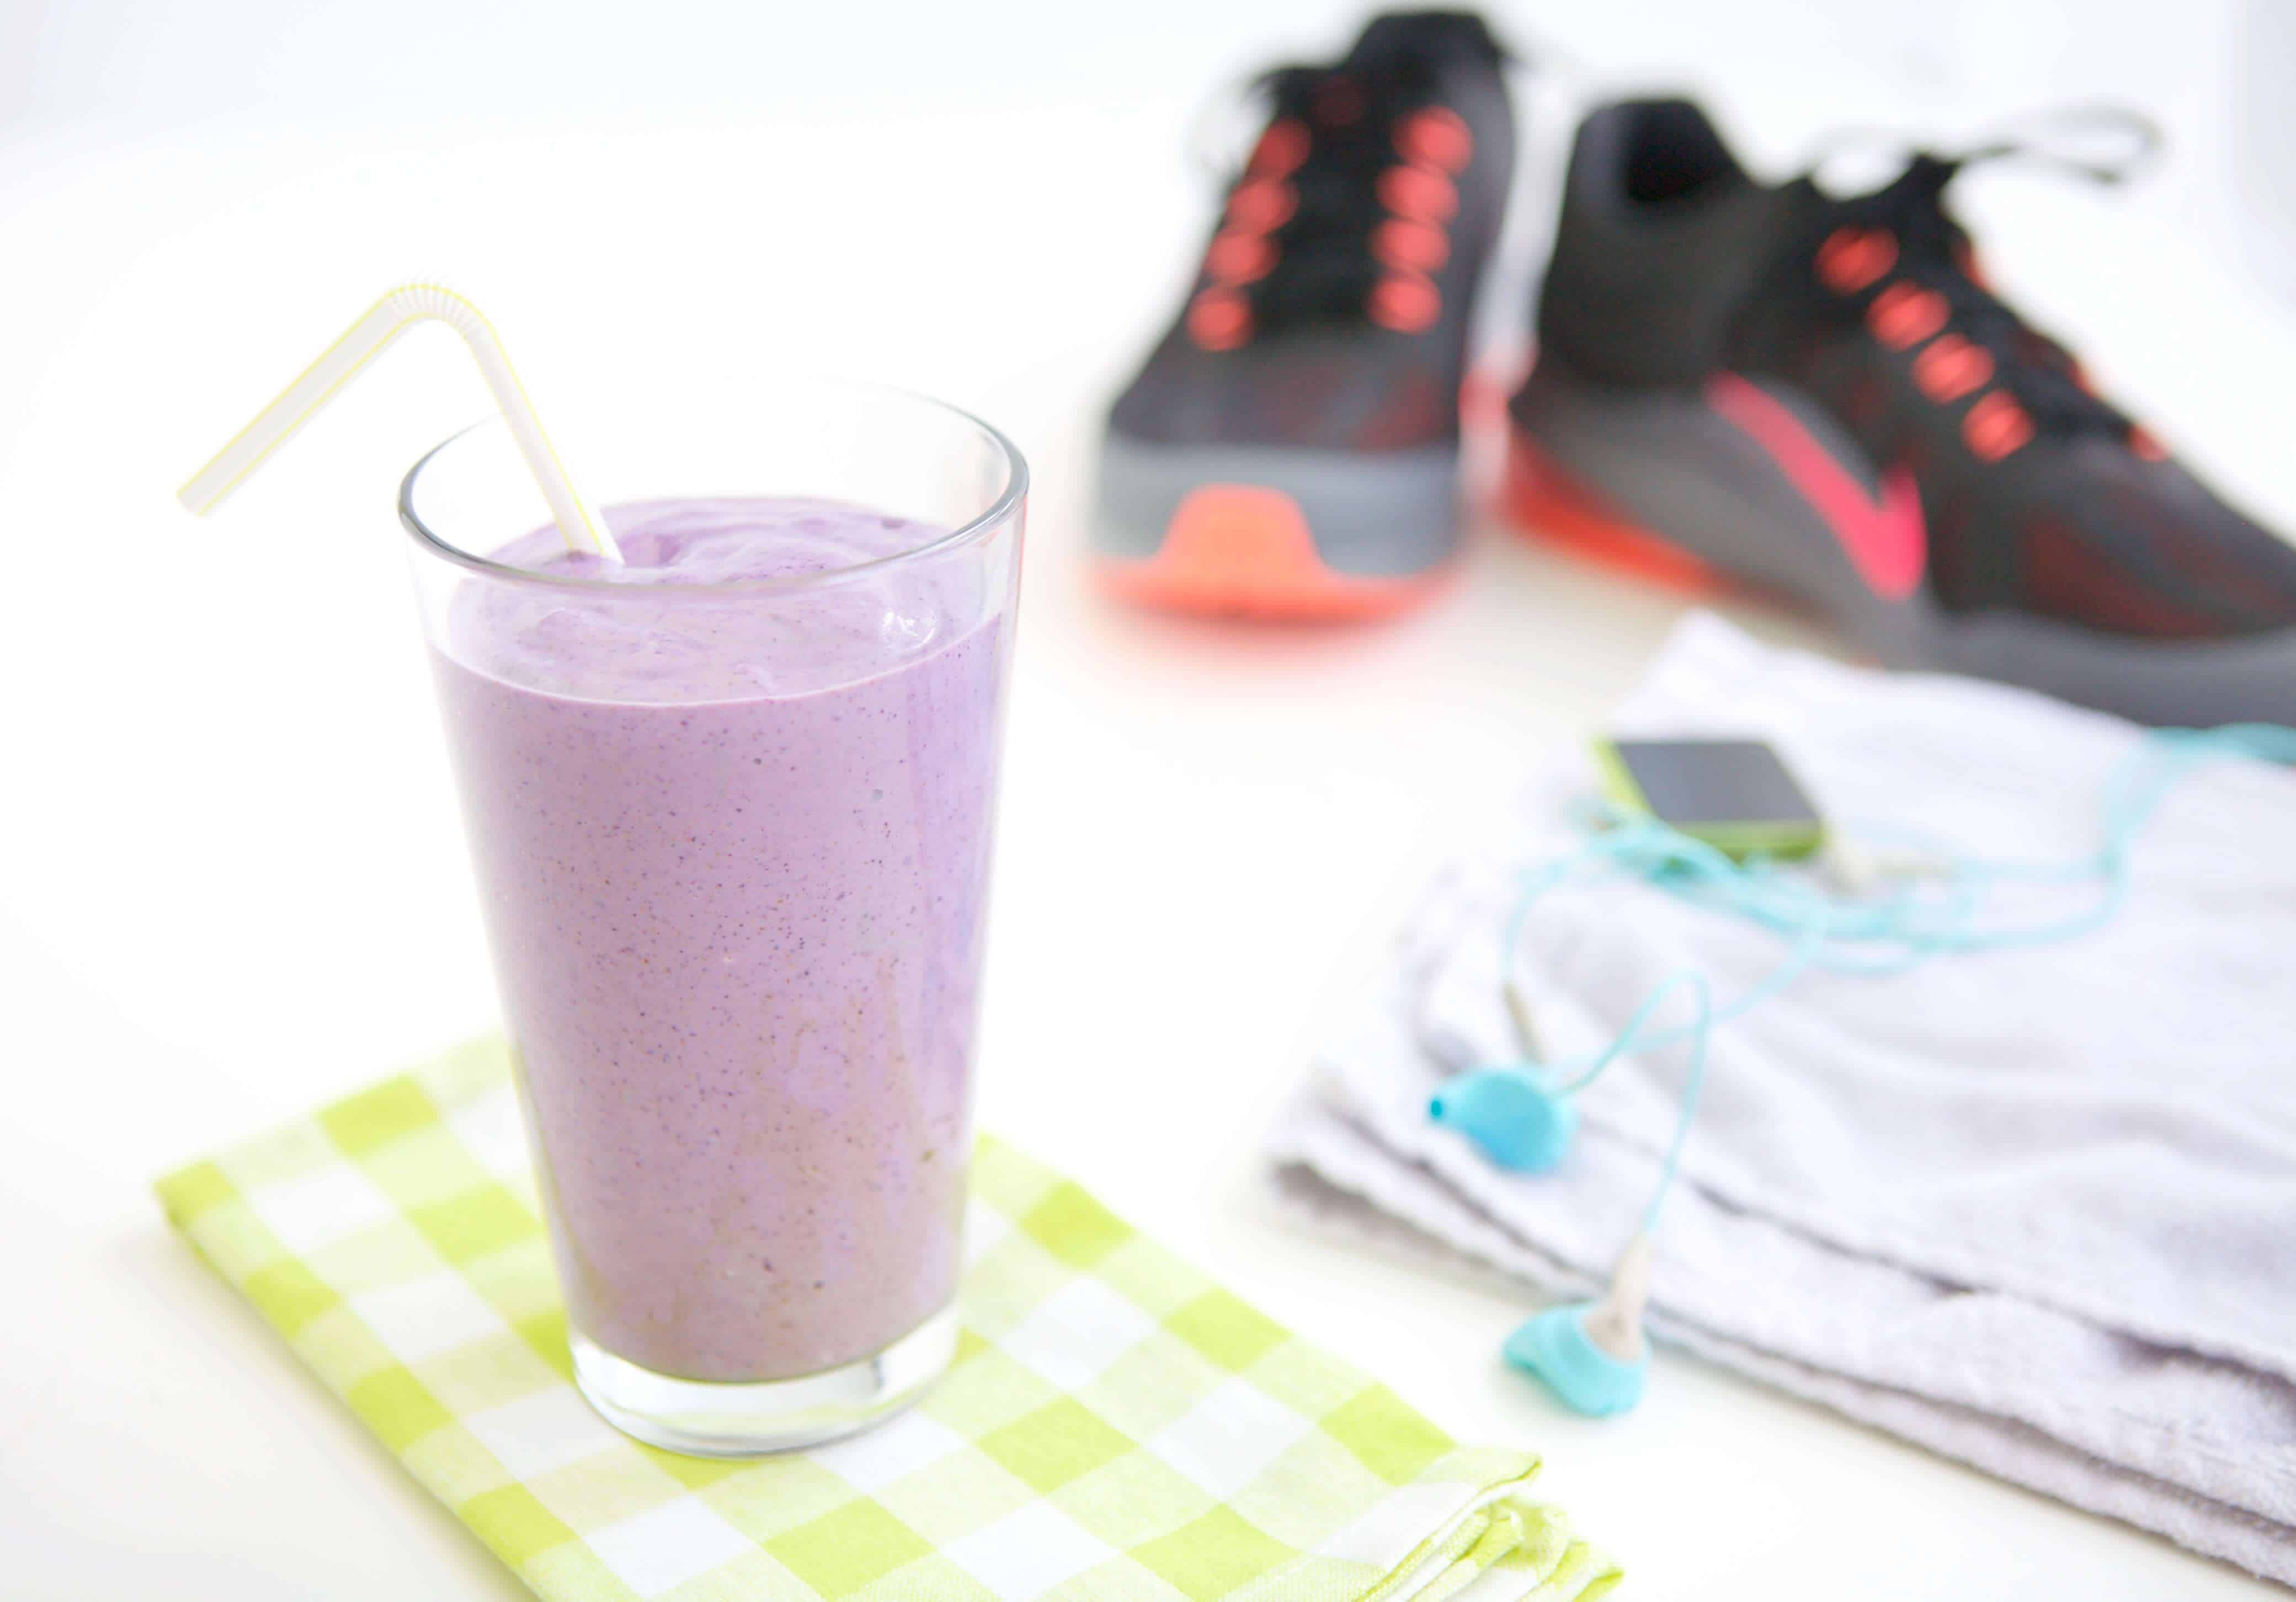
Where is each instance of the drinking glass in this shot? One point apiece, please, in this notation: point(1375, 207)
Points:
point(732, 840)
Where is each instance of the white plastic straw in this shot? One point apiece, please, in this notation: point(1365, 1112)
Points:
point(582, 527)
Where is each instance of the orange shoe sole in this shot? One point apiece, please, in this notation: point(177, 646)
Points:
point(1542, 499)
point(1243, 550)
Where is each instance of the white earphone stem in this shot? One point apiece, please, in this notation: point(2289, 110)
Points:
point(1615, 1322)
point(1857, 870)
point(1526, 1026)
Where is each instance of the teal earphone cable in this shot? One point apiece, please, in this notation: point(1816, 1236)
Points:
point(1693, 1083)
point(1593, 1355)
point(1832, 934)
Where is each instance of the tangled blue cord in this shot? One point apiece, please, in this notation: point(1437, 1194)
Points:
point(1870, 936)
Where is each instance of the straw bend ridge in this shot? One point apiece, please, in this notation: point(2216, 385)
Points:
point(582, 527)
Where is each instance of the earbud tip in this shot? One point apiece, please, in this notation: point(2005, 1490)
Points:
point(1518, 1125)
point(1555, 1347)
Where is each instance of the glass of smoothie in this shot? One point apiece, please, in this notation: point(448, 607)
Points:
point(730, 805)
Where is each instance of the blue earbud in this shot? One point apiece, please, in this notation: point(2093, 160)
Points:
point(1517, 1124)
point(1518, 1121)
point(1593, 1355)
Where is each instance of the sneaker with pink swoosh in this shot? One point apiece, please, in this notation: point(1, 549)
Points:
point(1820, 397)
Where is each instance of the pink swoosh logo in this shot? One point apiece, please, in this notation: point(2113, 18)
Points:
point(1885, 538)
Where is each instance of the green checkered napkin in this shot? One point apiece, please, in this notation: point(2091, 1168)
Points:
point(1116, 1427)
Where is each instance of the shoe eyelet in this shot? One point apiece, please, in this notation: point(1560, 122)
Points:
point(1338, 102)
point(1261, 205)
point(1951, 367)
point(1418, 192)
point(1903, 316)
point(1406, 302)
point(1238, 256)
point(1853, 258)
point(1994, 427)
point(1282, 147)
point(1435, 136)
point(1409, 245)
point(1219, 319)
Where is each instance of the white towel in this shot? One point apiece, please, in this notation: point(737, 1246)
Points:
point(2034, 1209)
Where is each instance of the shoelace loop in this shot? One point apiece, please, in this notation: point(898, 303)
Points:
point(1900, 247)
point(1342, 210)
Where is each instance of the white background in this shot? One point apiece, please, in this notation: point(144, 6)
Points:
point(235, 881)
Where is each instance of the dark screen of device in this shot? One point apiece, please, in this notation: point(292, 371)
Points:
point(1715, 781)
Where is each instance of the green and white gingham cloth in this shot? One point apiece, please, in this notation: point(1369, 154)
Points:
point(1116, 1427)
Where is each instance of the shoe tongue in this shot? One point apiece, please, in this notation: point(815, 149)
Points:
point(1922, 182)
point(1393, 35)
point(1911, 203)
point(1879, 182)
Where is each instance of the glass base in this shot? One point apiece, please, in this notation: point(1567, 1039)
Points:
point(710, 1418)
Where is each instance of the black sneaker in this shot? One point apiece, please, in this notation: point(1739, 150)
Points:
point(1820, 397)
point(1291, 448)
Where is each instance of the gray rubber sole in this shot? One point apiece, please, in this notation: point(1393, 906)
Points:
point(1674, 467)
point(1389, 514)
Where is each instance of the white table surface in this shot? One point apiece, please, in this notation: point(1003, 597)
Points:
point(235, 882)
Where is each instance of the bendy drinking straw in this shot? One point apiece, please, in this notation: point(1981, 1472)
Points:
point(581, 526)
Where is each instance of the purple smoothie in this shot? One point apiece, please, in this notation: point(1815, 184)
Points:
point(733, 848)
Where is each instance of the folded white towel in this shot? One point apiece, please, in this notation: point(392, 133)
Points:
point(2035, 1209)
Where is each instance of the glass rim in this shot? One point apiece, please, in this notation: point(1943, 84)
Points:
point(999, 512)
